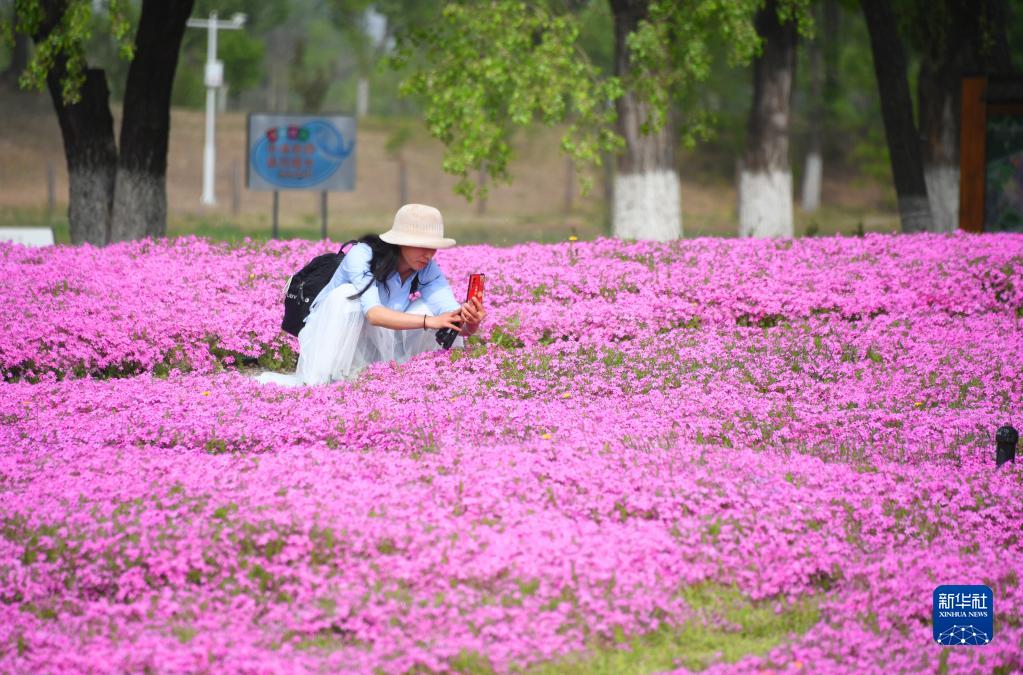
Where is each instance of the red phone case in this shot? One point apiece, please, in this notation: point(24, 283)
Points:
point(475, 287)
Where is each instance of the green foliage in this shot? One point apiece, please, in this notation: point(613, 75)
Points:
point(82, 33)
point(242, 55)
point(242, 51)
point(853, 127)
point(62, 39)
point(216, 446)
point(471, 662)
point(504, 336)
point(280, 357)
point(672, 51)
point(309, 80)
point(397, 141)
point(595, 26)
point(189, 89)
point(104, 50)
point(936, 28)
point(486, 70)
point(726, 627)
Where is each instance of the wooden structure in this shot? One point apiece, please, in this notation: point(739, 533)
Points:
point(991, 154)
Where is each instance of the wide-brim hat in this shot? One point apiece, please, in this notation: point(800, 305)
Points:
point(418, 225)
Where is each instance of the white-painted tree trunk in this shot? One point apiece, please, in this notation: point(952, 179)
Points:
point(362, 97)
point(140, 206)
point(812, 175)
point(647, 206)
point(915, 214)
point(765, 203)
point(765, 179)
point(647, 202)
point(904, 149)
point(943, 195)
point(89, 205)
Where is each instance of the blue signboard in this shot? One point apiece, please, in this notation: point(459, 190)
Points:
point(301, 152)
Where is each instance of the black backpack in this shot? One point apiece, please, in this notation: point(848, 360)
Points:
point(306, 284)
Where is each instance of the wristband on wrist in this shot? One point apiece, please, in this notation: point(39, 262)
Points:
point(424, 322)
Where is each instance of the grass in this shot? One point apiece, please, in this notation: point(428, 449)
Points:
point(532, 208)
point(497, 230)
point(11, 216)
point(727, 627)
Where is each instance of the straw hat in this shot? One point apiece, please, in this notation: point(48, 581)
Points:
point(418, 225)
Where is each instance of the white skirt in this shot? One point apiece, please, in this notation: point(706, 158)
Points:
point(337, 341)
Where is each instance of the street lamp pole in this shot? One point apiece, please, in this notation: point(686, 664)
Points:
point(214, 79)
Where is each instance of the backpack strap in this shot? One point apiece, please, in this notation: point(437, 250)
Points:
point(341, 251)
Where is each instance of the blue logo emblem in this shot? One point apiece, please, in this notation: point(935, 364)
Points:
point(300, 156)
point(963, 615)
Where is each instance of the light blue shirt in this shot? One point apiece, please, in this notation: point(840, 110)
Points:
point(392, 292)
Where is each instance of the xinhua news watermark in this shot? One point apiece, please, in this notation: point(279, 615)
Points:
point(964, 615)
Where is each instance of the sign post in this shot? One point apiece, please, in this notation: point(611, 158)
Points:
point(323, 215)
point(300, 152)
point(277, 207)
point(214, 79)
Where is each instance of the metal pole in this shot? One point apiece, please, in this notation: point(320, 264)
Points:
point(209, 152)
point(277, 204)
point(323, 215)
point(51, 189)
point(236, 188)
point(569, 183)
point(214, 79)
point(481, 181)
point(402, 183)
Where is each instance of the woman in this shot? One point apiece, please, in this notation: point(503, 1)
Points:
point(364, 314)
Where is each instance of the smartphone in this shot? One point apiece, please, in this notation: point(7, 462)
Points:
point(446, 336)
point(475, 287)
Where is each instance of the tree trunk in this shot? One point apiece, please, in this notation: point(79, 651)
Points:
point(897, 111)
point(87, 128)
point(140, 198)
point(813, 168)
point(765, 181)
point(481, 185)
point(402, 181)
point(647, 201)
point(362, 97)
point(974, 40)
point(822, 67)
point(939, 94)
point(18, 62)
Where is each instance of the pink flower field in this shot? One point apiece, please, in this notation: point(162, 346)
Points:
point(721, 455)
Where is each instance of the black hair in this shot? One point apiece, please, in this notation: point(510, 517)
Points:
point(383, 263)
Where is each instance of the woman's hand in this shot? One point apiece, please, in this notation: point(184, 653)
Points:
point(450, 320)
point(472, 313)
